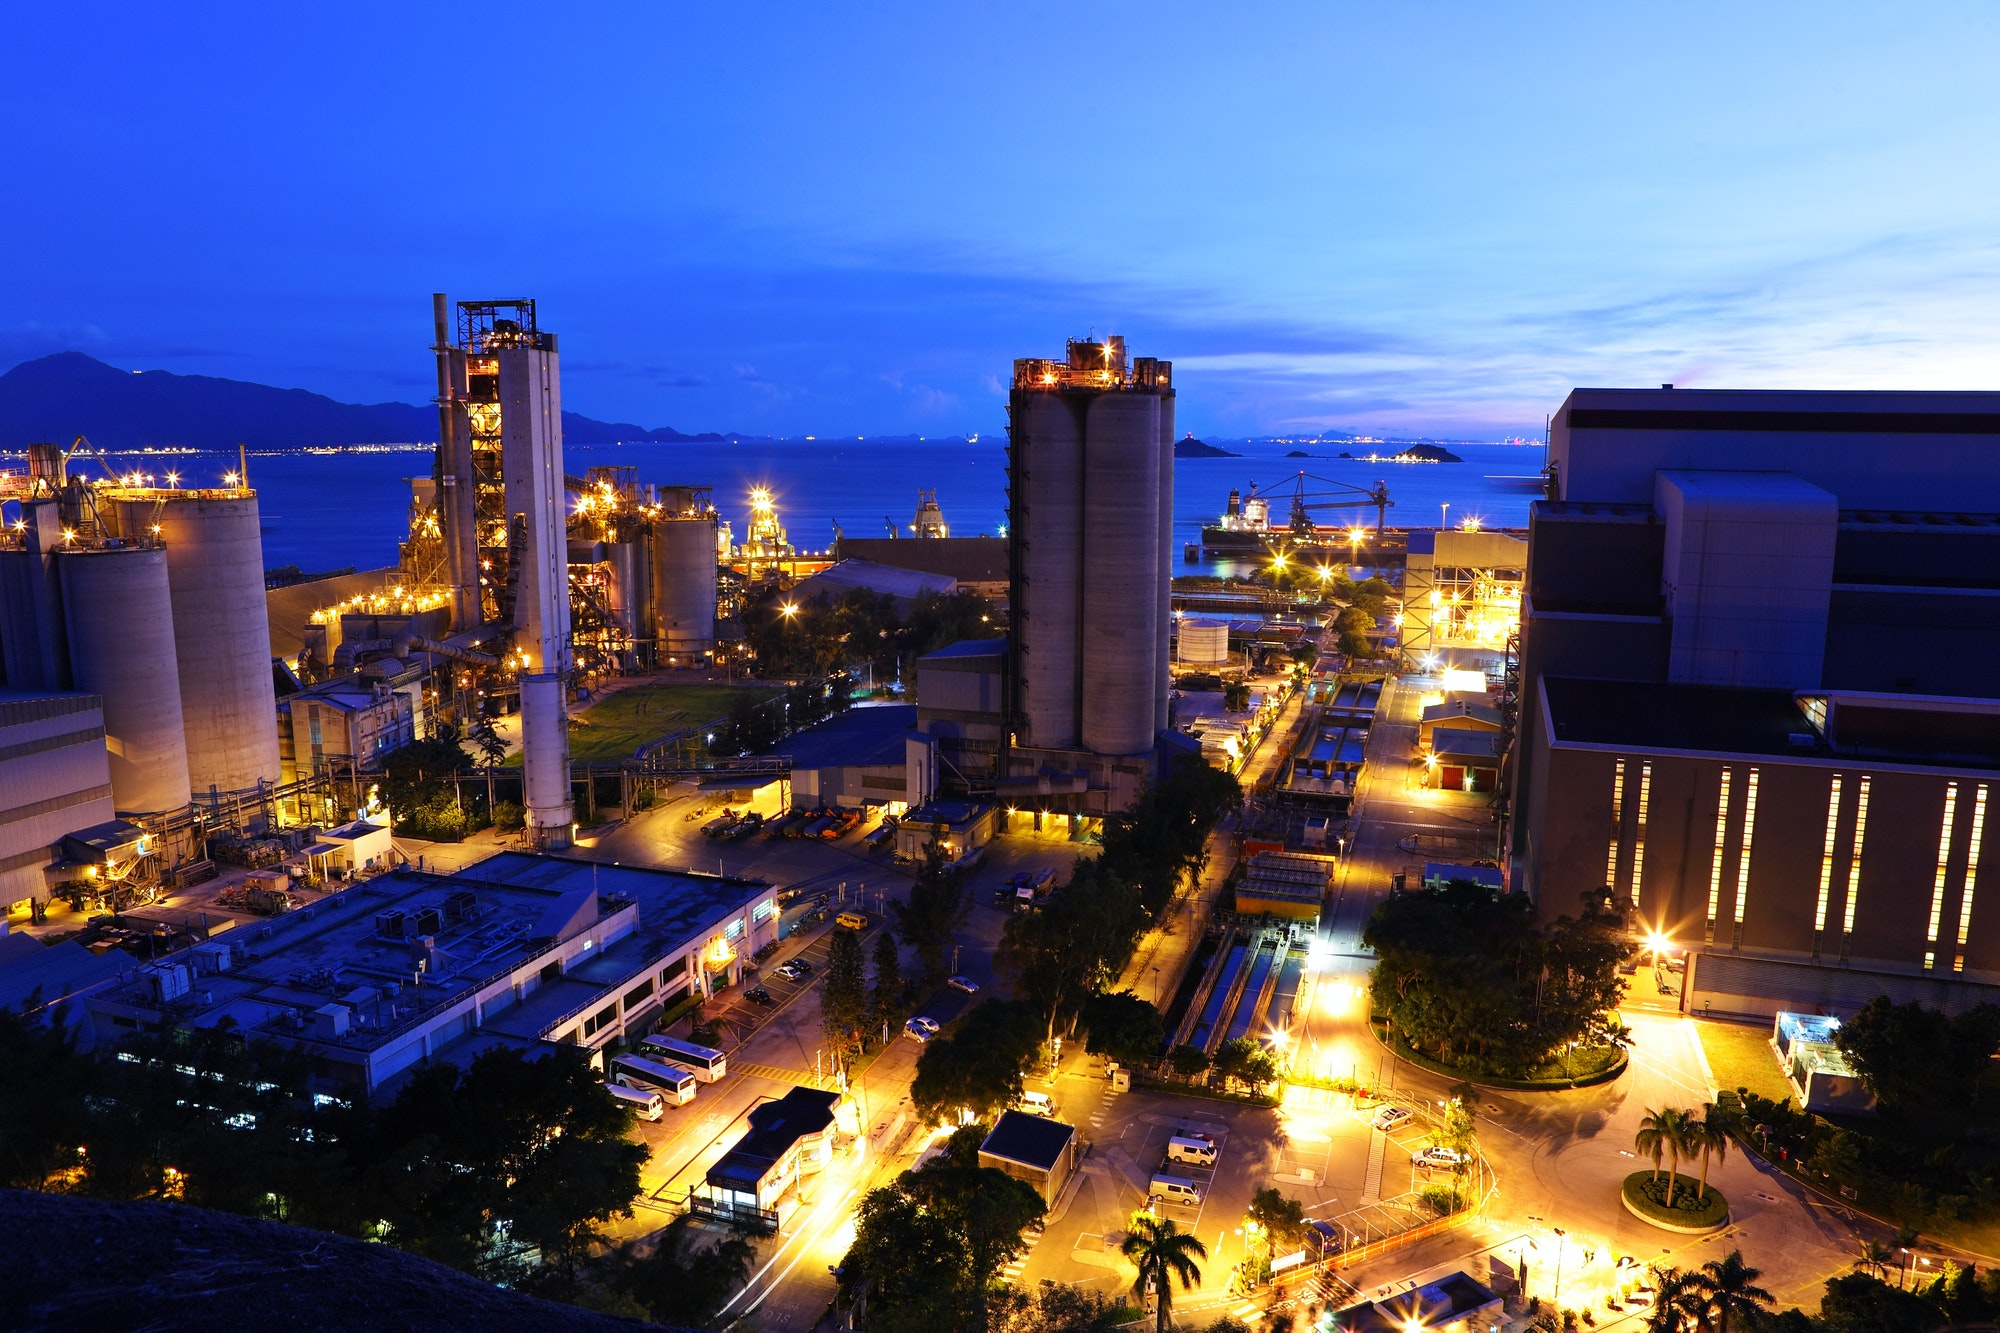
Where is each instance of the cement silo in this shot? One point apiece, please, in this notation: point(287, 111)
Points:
point(627, 574)
point(1045, 530)
point(684, 585)
point(1090, 504)
point(1121, 573)
point(222, 636)
point(118, 620)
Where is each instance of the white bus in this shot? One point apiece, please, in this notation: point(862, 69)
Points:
point(645, 1104)
point(708, 1065)
point(670, 1081)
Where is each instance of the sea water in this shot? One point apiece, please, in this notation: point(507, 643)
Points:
point(326, 510)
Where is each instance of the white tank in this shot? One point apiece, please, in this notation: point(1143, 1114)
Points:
point(684, 585)
point(118, 618)
point(222, 637)
point(1046, 519)
point(1121, 572)
point(625, 590)
point(545, 770)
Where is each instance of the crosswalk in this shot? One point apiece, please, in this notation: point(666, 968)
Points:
point(772, 1072)
point(1104, 1102)
point(1033, 1236)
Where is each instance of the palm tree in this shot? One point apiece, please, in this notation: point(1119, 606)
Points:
point(1674, 1293)
point(1876, 1256)
point(1730, 1287)
point(1710, 1135)
point(1162, 1252)
point(1672, 1130)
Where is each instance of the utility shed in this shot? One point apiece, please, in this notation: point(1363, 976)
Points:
point(1033, 1149)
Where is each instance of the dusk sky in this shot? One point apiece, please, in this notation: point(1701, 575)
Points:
point(850, 219)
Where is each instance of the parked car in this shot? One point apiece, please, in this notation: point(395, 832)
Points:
point(1391, 1117)
point(922, 1029)
point(1440, 1158)
point(966, 984)
point(758, 995)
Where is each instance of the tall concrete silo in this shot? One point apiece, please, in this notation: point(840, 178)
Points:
point(1161, 375)
point(118, 619)
point(1121, 573)
point(684, 584)
point(1045, 532)
point(1090, 508)
point(222, 636)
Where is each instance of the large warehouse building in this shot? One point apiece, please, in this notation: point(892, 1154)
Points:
point(1757, 694)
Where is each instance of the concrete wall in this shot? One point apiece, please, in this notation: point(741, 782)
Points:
point(55, 778)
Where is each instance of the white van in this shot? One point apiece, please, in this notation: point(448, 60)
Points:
point(646, 1105)
point(1037, 1103)
point(1195, 1152)
point(1174, 1190)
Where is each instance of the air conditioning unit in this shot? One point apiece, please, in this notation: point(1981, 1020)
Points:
point(169, 983)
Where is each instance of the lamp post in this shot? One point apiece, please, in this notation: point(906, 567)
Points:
point(1557, 1297)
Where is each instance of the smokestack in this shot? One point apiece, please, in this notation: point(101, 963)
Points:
point(457, 499)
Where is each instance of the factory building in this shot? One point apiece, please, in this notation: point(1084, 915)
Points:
point(1756, 689)
point(55, 779)
point(1461, 596)
point(643, 564)
point(975, 564)
point(520, 950)
point(1090, 507)
point(501, 507)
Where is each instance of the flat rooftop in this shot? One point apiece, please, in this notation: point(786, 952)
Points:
point(967, 648)
point(1031, 1140)
point(1657, 716)
point(863, 737)
point(674, 905)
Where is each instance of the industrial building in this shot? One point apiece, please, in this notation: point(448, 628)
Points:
point(1461, 596)
point(1090, 515)
point(1756, 690)
point(975, 564)
point(788, 1139)
point(520, 949)
point(1036, 1150)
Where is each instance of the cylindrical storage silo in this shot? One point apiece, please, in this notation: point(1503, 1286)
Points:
point(684, 585)
point(1048, 512)
point(118, 617)
point(1204, 643)
point(1163, 461)
point(222, 636)
point(621, 564)
point(1121, 572)
point(545, 758)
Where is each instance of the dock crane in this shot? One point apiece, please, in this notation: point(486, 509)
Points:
point(1341, 496)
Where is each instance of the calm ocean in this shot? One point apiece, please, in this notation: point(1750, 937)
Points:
point(323, 511)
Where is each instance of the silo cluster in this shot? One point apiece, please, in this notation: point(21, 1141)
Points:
point(152, 599)
point(1090, 522)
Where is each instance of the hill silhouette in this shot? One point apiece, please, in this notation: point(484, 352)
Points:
point(69, 394)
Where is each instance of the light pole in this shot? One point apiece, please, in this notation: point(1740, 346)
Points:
point(1444, 521)
point(1557, 1298)
point(1156, 987)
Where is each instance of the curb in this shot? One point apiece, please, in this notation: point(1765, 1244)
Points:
point(1651, 1221)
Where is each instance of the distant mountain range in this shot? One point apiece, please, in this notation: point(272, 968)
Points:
point(60, 397)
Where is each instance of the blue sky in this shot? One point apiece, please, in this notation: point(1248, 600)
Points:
point(849, 219)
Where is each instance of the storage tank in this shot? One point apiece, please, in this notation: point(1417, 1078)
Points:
point(1121, 572)
point(625, 569)
point(222, 636)
point(1045, 522)
point(118, 618)
point(684, 585)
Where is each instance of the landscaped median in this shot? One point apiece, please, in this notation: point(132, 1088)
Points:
point(1694, 1210)
point(1583, 1068)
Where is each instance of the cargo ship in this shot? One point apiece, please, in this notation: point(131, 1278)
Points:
point(1246, 527)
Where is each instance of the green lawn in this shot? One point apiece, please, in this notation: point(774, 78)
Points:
point(619, 723)
point(1740, 1057)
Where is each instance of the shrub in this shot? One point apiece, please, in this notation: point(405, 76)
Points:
point(508, 817)
point(1441, 1200)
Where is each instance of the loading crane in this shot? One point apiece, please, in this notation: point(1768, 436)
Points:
point(1341, 496)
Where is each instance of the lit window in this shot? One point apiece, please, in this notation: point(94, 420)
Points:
point(1937, 884)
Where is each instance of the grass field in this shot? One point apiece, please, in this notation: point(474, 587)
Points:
point(1740, 1057)
point(619, 723)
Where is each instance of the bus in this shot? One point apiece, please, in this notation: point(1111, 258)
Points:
point(670, 1081)
point(706, 1064)
point(642, 1102)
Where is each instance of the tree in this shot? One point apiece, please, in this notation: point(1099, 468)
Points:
point(928, 1247)
point(978, 1068)
point(1187, 1061)
point(1920, 1061)
point(44, 1098)
point(1283, 1220)
point(1245, 1060)
point(885, 1004)
point(1164, 836)
point(1709, 1134)
point(1056, 1308)
point(1669, 1130)
point(420, 773)
point(1858, 1303)
point(1727, 1287)
point(843, 996)
point(1235, 696)
point(936, 907)
point(1060, 955)
point(1162, 1251)
point(1677, 1301)
point(684, 1281)
point(1120, 1026)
